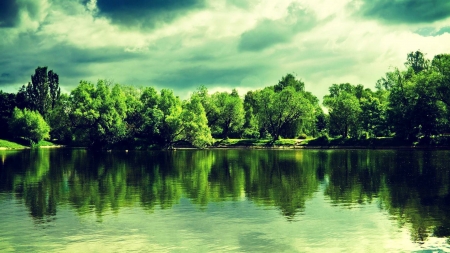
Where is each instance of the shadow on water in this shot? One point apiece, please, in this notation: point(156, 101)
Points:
point(411, 186)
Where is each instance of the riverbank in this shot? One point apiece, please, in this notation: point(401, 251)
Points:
point(317, 143)
point(20, 144)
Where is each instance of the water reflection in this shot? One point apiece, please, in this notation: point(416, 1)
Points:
point(412, 186)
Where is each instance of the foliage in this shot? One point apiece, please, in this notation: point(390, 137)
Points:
point(97, 113)
point(7, 104)
point(29, 125)
point(42, 93)
point(411, 105)
point(344, 110)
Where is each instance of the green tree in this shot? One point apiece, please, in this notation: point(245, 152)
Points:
point(344, 110)
point(276, 110)
point(98, 113)
point(195, 124)
point(230, 113)
point(441, 64)
point(7, 105)
point(209, 105)
point(170, 127)
point(251, 125)
point(59, 120)
point(289, 81)
point(29, 125)
point(417, 61)
point(42, 93)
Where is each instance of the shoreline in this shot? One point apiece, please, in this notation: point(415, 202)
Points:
point(276, 147)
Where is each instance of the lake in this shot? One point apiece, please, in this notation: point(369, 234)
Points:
point(231, 200)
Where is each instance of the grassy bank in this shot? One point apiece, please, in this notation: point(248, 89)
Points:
point(23, 144)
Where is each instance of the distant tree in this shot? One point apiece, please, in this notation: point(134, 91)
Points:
point(195, 124)
point(441, 64)
point(344, 110)
point(289, 81)
point(230, 113)
point(209, 105)
point(59, 120)
point(42, 92)
point(170, 127)
point(417, 61)
point(276, 110)
point(29, 125)
point(7, 105)
point(251, 125)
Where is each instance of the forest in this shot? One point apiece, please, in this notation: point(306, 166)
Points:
point(409, 105)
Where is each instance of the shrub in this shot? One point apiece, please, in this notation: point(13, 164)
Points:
point(29, 125)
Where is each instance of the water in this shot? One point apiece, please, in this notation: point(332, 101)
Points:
point(225, 201)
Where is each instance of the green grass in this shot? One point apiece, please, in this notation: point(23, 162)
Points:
point(45, 143)
point(254, 142)
point(21, 143)
point(9, 144)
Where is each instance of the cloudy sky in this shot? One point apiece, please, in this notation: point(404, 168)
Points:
point(222, 44)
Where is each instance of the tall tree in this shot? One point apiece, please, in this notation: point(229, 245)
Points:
point(289, 81)
point(417, 61)
point(7, 105)
point(42, 92)
point(195, 124)
point(230, 112)
point(344, 110)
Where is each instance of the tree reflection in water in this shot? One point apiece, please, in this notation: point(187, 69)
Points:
point(412, 186)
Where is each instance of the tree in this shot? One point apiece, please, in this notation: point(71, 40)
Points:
point(344, 109)
point(29, 125)
point(170, 127)
point(98, 113)
point(59, 120)
point(7, 105)
point(195, 124)
point(42, 93)
point(289, 81)
point(417, 61)
point(276, 110)
point(441, 64)
point(230, 113)
point(251, 124)
point(209, 105)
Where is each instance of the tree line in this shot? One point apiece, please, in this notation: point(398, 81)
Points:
point(409, 104)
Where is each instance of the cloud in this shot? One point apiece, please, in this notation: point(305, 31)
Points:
point(406, 11)
point(9, 12)
point(269, 32)
point(432, 31)
point(143, 13)
point(16, 12)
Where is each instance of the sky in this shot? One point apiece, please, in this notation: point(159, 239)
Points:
point(221, 44)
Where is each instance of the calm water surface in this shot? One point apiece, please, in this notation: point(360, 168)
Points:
point(225, 200)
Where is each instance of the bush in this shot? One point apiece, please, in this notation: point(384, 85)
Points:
point(29, 125)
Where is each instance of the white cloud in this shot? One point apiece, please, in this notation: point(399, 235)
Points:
point(202, 47)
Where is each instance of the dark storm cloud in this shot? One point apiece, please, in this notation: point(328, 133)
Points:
point(70, 62)
point(9, 11)
point(268, 33)
point(406, 11)
point(12, 10)
point(144, 13)
point(189, 78)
